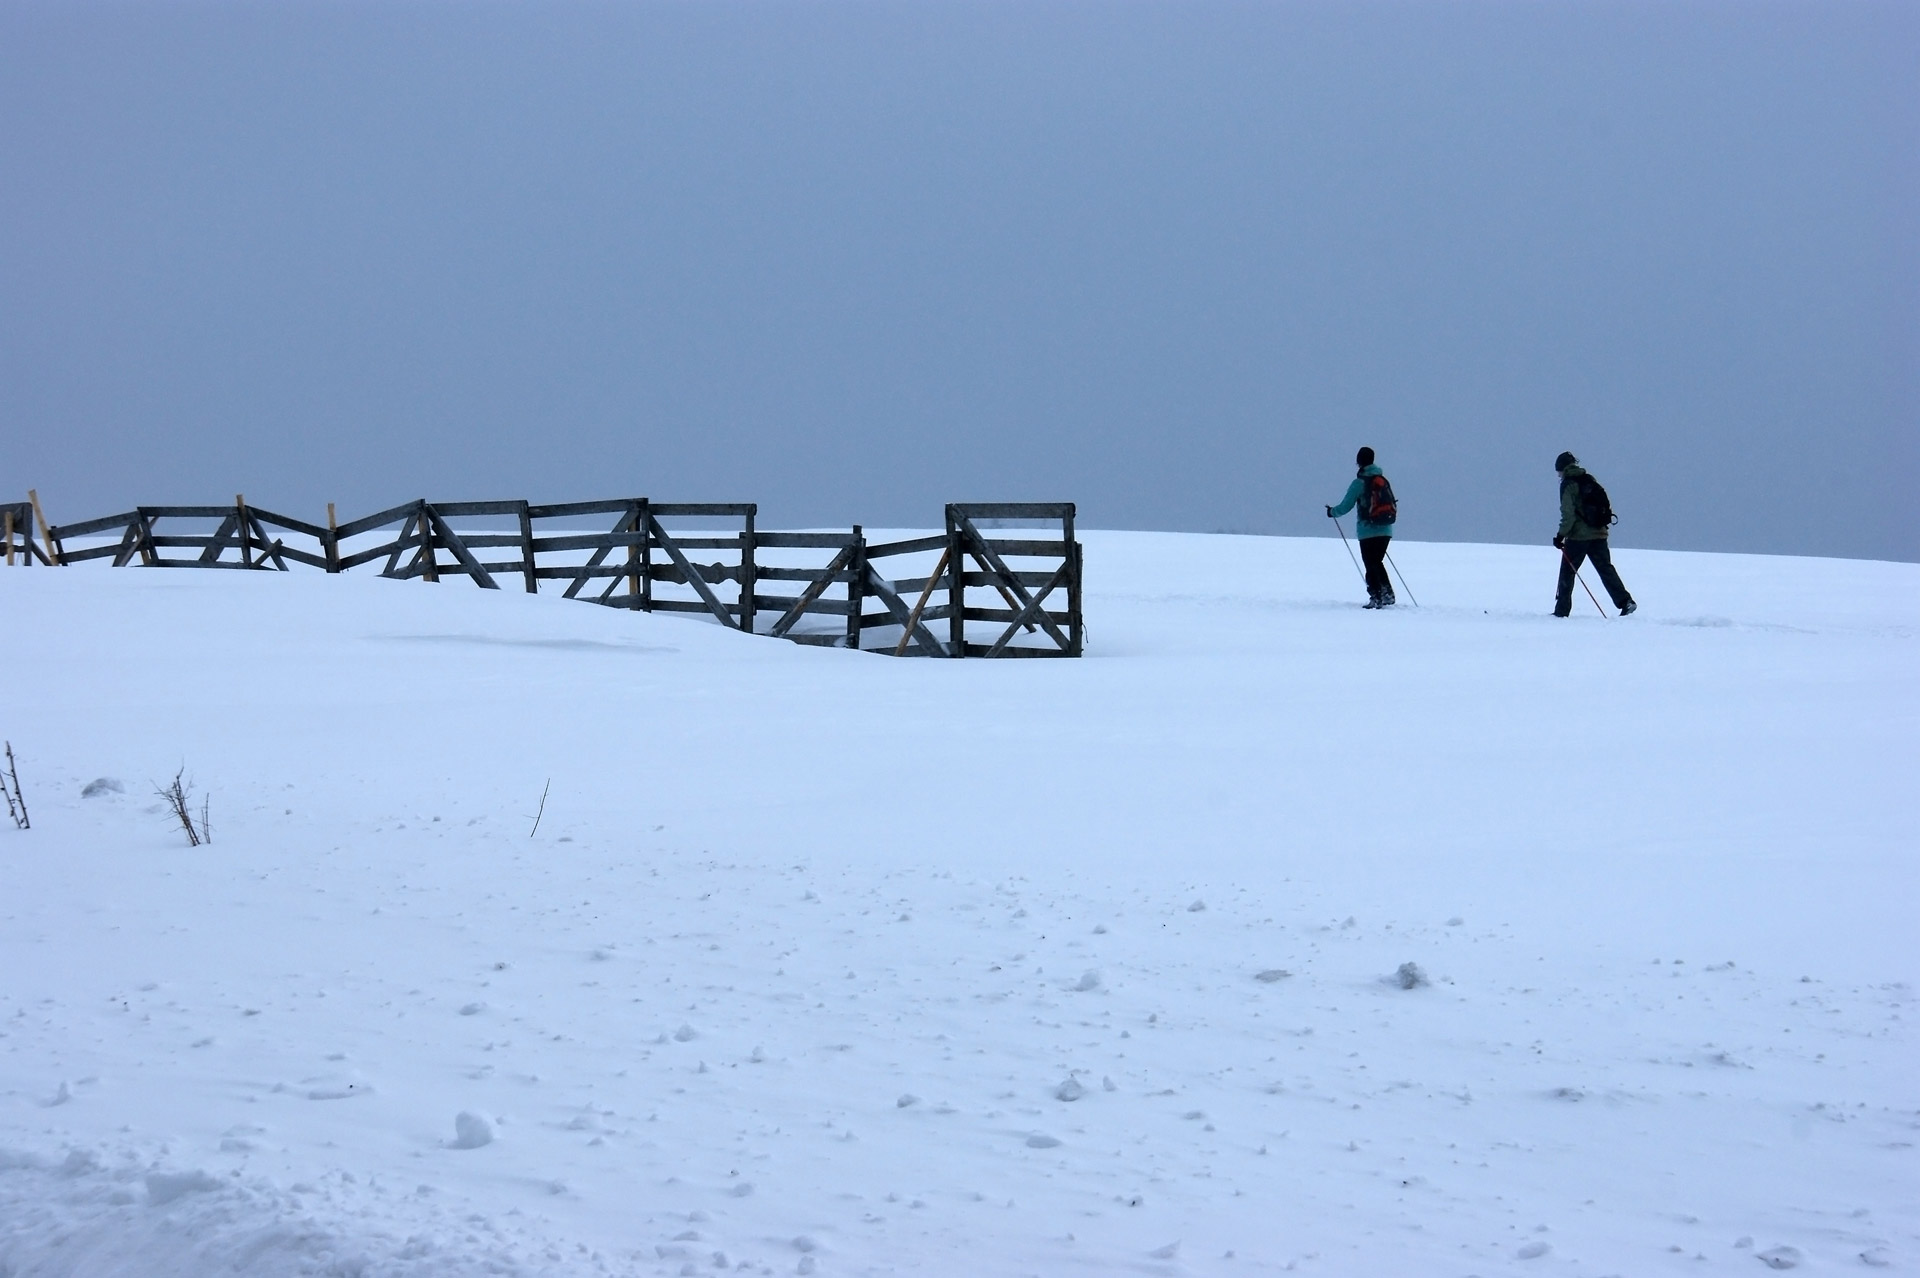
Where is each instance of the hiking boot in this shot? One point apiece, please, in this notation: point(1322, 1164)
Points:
point(1386, 599)
point(1371, 603)
point(1630, 609)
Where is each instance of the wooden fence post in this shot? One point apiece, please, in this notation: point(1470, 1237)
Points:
point(856, 587)
point(526, 550)
point(246, 533)
point(646, 554)
point(633, 556)
point(331, 548)
point(1074, 633)
point(746, 574)
point(7, 519)
point(429, 569)
point(46, 529)
point(956, 588)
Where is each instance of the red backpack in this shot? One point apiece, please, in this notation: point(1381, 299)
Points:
point(1376, 505)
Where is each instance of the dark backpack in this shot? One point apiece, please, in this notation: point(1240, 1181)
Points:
point(1590, 502)
point(1376, 505)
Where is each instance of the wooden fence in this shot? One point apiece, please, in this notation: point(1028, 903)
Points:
point(1020, 588)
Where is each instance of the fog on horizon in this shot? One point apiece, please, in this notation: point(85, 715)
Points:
point(1172, 261)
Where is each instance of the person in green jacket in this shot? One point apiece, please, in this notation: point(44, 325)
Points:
point(1374, 525)
point(1578, 541)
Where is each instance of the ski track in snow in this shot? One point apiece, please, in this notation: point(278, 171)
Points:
point(822, 963)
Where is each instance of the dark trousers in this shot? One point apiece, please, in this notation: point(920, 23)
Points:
point(1578, 552)
point(1373, 553)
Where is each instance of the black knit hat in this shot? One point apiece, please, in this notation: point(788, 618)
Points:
point(1564, 460)
point(1364, 457)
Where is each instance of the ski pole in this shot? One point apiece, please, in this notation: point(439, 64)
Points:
point(1343, 541)
point(1403, 580)
point(1583, 582)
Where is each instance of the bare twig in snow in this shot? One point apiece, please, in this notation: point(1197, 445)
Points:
point(179, 801)
point(543, 808)
point(10, 785)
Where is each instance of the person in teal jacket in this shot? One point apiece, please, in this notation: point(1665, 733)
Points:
point(1373, 531)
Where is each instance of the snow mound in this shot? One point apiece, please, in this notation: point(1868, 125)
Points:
point(79, 1217)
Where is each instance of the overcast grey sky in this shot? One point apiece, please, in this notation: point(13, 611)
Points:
point(1171, 261)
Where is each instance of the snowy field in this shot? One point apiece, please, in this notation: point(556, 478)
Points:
point(825, 963)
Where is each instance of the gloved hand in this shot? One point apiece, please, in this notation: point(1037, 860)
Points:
point(1329, 512)
point(1559, 543)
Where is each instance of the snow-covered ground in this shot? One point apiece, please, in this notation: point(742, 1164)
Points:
point(827, 963)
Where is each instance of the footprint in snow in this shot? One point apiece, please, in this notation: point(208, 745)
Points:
point(1272, 974)
point(1038, 1141)
point(1780, 1258)
point(327, 1087)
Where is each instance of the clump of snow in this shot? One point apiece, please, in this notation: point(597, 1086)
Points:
point(1780, 1257)
point(102, 785)
point(1272, 974)
point(1070, 1090)
point(471, 1131)
point(1409, 976)
point(164, 1187)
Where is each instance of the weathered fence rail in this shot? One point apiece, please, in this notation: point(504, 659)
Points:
point(823, 588)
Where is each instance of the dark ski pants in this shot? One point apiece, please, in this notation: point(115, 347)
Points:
point(1576, 553)
point(1373, 553)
